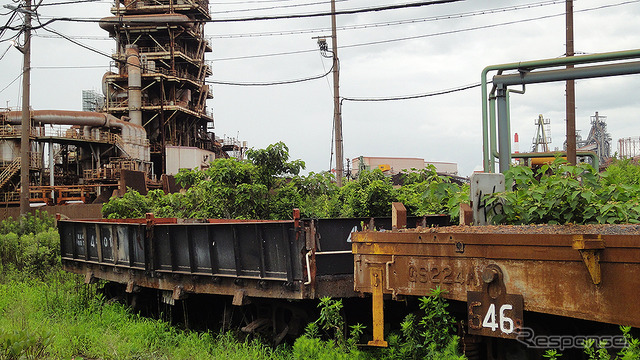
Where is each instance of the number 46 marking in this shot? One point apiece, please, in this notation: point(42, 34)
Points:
point(504, 322)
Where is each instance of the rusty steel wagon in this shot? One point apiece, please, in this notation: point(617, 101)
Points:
point(506, 275)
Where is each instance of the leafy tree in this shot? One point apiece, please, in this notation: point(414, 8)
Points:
point(273, 162)
point(268, 186)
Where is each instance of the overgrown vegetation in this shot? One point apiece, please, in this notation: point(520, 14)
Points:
point(30, 247)
point(330, 326)
point(428, 337)
point(268, 186)
point(558, 193)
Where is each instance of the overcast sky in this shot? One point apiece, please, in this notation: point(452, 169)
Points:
point(452, 44)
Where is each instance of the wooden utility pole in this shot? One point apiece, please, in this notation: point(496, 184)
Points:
point(25, 145)
point(337, 113)
point(570, 89)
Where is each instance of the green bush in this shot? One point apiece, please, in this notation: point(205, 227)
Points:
point(30, 247)
point(268, 186)
point(559, 194)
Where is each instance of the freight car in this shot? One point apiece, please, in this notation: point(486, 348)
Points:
point(244, 260)
point(589, 272)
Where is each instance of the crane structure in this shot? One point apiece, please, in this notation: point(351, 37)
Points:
point(542, 139)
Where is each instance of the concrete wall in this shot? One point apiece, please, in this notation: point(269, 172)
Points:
point(444, 167)
point(398, 164)
point(182, 157)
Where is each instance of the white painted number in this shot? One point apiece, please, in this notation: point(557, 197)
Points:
point(506, 323)
point(490, 319)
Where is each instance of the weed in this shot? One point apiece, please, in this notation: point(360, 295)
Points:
point(429, 337)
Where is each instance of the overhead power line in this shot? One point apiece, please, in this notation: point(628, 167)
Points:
point(273, 7)
point(394, 23)
point(11, 83)
point(275, 17)
point(416, 96)
point(285, 82)
point(72, 2)
point(448, 32)
point(250, 2)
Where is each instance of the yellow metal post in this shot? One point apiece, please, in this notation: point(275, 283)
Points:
point(378, 307)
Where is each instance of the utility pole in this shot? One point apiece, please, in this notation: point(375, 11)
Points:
point(337, 113)
point(570, 89)
point(25, 144)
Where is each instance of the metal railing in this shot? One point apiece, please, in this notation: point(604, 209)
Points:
point(137, 4)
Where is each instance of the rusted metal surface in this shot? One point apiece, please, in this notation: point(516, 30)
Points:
point(493, 312)
point(539, 263)
point(72, 211)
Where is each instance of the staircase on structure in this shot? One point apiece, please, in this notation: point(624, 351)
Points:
point(9, 171)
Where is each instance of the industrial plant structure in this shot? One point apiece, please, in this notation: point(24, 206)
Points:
point(153, 118)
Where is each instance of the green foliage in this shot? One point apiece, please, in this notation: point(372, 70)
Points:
point(430, 337)
point(273, 162)
point(599, 353)
point(632, 350)
point(338, 346)
point(28, 224)
point(30, 247)
point(559, 194)
point(370, 195)
point(22, 344)
point(62, 318)
point(268, 186)
point(622, 171)
point(552, 354)
point(131, 205)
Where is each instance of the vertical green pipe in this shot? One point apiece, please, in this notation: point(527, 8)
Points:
point(503, 129)
point(492, 125)
point(486, 151)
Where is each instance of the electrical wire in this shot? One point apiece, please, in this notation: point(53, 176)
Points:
point(47, 67)
point(285, 82)
point(11, 83)
point(87, 37)
point(393, 23)
point(273, 7)
point(449, 32)
point(250, 2)
point(416, 96)
point(77, 42)
point(5, 52)
point(277, 17)
point(73, 2)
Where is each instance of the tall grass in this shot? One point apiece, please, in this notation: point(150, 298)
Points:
point(46, 313)
point(71, 320)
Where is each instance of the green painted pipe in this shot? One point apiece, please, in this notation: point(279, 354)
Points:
point(529, 65)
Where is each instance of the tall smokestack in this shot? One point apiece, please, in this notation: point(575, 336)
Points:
point(135, 84)
point(516, 143)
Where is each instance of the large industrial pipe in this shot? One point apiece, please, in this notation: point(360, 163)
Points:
point(111, 22)
point(64, 117)
point(133, 135)
point(585, 72)
point(135, 84)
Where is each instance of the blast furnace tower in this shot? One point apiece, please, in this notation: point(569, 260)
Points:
point(160, 75)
